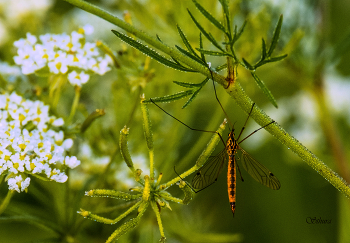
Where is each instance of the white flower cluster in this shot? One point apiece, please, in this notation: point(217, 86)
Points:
point(62, 54)
point(29, 144)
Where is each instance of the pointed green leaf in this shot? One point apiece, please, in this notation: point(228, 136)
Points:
point(195, 93)
point(209, 17)
point(263, 55)
point(238, 35)
point(247, 65)
point(275, 59)
point(191, 98)
point(276, 35)
point(201, 47)
point(224, 5)
point(265, 90)
point(271, 59)
point(190, 55)
point(185, 41)
point(206, 34)
point(213, 53)
point(149, 52)
point(221, 67)
point(263, 51)
point(159, 38)
point(182, 66)
point(173, 97)
point(188, 85)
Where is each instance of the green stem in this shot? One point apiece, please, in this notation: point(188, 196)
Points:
point(6, 201)
point(159, 220)
point(75, 103)
point(235, 91)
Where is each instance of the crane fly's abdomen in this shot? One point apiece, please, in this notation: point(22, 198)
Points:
point(231, 184)
point(231, 172)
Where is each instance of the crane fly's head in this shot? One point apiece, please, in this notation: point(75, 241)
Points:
point(232, 133)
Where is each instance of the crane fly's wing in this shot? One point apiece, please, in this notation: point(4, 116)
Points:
point(259, 172)
point(210, 171)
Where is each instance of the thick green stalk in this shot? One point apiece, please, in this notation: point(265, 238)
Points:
point(235, 91)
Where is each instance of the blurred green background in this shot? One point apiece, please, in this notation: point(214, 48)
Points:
point(310, 33)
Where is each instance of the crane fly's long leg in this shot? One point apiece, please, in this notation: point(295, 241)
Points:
point(255, 132)
point(217, 98)
point(210, 171)
point(231, 183)
point(193, 129)
point(245, 123)
point(259, 172)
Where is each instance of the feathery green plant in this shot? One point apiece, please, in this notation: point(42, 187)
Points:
point(191, 63)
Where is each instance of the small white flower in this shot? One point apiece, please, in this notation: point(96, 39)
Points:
point(58, 176)
point(58, 122)
point(3, 166)
point(60, 63)
point(71, 162)
point(78, 79)
point(67, 143)
point(18, 184)
point(88, 29)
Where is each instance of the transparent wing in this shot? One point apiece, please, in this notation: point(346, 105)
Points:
point(259, 172)
point(210, 171)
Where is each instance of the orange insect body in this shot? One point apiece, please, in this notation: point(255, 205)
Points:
point(231, 148)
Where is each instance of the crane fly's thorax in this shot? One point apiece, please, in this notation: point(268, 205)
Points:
point(231, 144)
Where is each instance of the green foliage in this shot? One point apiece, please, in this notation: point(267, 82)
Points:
point(204, 43)
point(151, 53)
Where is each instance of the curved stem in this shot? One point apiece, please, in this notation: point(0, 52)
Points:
point(6, 201)
point(235, 91)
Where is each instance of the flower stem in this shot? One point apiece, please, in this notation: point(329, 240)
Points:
point(6, 201)
point(75, 103)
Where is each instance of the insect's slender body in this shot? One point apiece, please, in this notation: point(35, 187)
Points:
point(231, 148)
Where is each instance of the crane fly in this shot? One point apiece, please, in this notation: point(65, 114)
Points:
point(209, 172)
